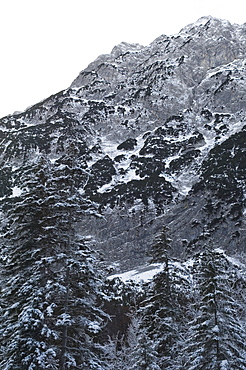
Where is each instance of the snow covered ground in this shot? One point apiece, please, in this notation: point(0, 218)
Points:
point(144, 273)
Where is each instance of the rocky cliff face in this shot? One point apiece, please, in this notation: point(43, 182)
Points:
point(161, 132)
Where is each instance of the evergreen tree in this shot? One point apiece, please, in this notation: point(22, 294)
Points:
point(50, 315)
point(142, 353)
point(160, 250)
point(161, 311)
point(216, 336)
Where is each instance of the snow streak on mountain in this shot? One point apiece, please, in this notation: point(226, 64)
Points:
point(160, 139)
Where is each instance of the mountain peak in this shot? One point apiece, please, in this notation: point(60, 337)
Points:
point(206, 22)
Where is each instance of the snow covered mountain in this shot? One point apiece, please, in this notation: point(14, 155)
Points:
point(161, 137)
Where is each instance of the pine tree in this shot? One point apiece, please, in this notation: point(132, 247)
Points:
point(50, 317)
point(216, 337)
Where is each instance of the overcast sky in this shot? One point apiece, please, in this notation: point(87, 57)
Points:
point(46, 43)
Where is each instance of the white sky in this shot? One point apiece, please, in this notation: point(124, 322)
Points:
point(46, 43)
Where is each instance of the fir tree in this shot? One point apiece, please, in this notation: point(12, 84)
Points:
point(142, 352)
point(50, 317)
point(22, 320)
point(160, 250)
point(161, 312)
point(216, 336)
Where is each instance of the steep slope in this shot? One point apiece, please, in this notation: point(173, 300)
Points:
point(160, 131)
